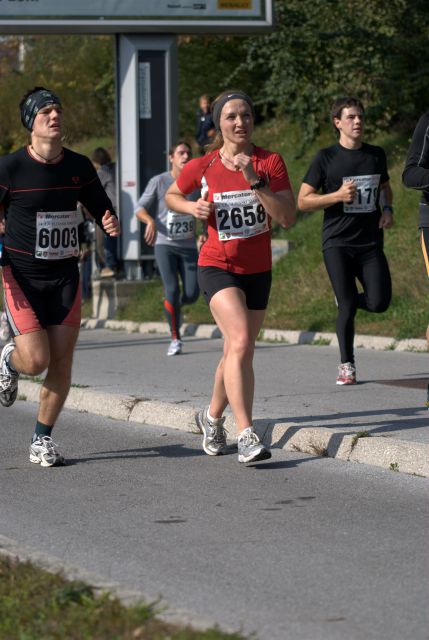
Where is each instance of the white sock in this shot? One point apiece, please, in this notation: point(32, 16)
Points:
point(210, 417)
point(245, 431)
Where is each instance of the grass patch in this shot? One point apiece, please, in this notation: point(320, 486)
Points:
point(390, 347)
point(36, 605)
point(321, 342)
point(87, 309)
point(360, 434)
point(37, 379)
point(319, 450)
point(262, 338)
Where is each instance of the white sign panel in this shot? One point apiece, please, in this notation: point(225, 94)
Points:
point(135, 15)
point(145, 101)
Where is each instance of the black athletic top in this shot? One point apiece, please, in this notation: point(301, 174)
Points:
point(39, 201)
point(355, 224)
point(416, 172)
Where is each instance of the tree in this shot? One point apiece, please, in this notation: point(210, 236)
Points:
point(79, 68)
point(206, 64)
point(323, 49)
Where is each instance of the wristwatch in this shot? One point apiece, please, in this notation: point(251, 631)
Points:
point(388, 208)
point(259, 184)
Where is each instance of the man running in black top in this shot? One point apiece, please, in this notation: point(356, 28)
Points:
point(40, 186)
point(416, 176)
point(353, 179)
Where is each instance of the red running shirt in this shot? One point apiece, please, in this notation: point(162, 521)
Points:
point(239, 238)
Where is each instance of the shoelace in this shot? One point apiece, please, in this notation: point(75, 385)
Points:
point(220, 434)
point(249, 439)
point(47, 443)
point(217, 431)
point(347, 370)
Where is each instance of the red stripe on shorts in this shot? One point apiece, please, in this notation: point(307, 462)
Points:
point(73, 317)
point(21, 314)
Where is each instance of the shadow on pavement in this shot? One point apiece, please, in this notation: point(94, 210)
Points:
point(280, 464)
point(167, 451)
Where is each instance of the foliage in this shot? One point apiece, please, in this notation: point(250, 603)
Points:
point(319, 50)
point(205, 66)
point(323, 49)
point(78, 68)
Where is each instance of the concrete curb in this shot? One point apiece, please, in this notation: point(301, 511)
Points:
point(14, 551)
point(380, 343)
point(381, 451)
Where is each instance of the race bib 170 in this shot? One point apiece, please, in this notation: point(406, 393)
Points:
point(365, 199)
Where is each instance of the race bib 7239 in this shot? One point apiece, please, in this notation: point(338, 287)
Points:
point(180, 226)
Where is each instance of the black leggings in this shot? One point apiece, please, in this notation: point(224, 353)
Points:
point(369, 266)
point(174, 262)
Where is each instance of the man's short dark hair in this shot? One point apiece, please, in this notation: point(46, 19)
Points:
point(101, 156)
point(174, 146)
point(344, 103)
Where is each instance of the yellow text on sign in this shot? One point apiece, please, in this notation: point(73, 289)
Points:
point(234, 4)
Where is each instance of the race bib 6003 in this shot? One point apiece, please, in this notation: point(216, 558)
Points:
point(239, 214)
point(56, 235)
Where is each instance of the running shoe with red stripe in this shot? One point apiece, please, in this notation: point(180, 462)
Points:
point(346, 373)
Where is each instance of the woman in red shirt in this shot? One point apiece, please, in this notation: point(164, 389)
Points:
point(243, 188)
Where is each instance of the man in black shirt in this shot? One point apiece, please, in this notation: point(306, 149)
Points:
point(40, 187)
point(416, 176)
point(352, 177)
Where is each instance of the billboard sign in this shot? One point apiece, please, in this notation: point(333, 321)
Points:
point(121, 16)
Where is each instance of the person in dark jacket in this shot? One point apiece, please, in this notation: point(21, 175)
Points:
point(205, 127)
point(416, 176)
point(107, 246)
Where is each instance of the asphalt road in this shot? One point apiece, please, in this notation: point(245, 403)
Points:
point(295, 548)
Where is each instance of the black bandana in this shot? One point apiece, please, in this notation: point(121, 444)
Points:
point(34, 103)
point(219, 105)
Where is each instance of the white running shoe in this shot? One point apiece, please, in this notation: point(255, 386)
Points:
point(45, 452)
point(250, 448)
point(175, 348)
point(214, 434)
point(8, 378)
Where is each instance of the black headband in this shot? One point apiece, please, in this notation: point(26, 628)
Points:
point(34, 103)
point(219, 105)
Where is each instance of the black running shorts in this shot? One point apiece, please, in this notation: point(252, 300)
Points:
point(256, 286)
